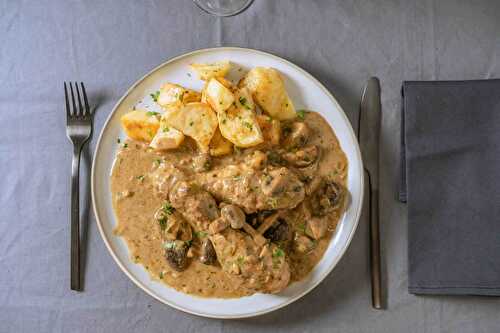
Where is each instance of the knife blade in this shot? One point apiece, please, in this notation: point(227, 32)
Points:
point(369, 138)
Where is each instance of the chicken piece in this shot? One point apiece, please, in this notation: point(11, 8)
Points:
point(254, 190)
point(165, 177)
point(296, 135)
point(250, 266)
point(316, 227)
point(303, 157)
point(198, 207)
point(259, 268)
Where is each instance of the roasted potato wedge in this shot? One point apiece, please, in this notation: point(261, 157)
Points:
point(271, 129)
point(174, 95)
point(240, 126)
point(243, 99)
point(218, 96)
point(220, 145)
point(167, 137)
point(196, 120)
point(268, 91)
point(208, 71)
point(140, 124)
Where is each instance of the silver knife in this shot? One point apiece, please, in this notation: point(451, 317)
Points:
point(368, 136)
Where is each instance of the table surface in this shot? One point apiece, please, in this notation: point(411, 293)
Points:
point(109, 44)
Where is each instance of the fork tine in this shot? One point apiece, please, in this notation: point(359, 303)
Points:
point(68, 110)
point(87, 108)
point(80, 106)
point(75, 110)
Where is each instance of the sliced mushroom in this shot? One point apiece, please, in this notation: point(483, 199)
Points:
point(233, 215)
point(327, 198)
point(281, 234)
point(297, 135)
point(208, 255)
point(302, 157)
point(176, 254)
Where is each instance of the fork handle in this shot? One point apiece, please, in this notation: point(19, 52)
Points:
point(75, 220)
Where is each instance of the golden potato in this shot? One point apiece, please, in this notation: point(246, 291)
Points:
point(243, 99)
point(166, 137)
point(271, 129)
point(208, 71)
point(218, 96)
point(174, 95)
point(140, 124)
point(239, 126)
point(196, 120)
point(219, 145)
point(268, 90)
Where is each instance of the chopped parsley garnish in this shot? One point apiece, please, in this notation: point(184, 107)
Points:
point(243, 102)
point(278, 253)
point(163, 222)
point(165, 129)
point(273, 202)
point(200, 234)
point(188, 243)
point(118, 140)
point(224, 121)
point(248, 125)
point(301, 227)
point(155, 95)
point(141, 177)
point(240, 260)
point(301, 114)
point(169, 245)
point(167, 208)
point(125, 145)
point(158, 161)
point(152, 113)
point(191, 123)
point(161, 275)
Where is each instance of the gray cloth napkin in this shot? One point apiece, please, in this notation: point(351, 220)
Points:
point(451, 182)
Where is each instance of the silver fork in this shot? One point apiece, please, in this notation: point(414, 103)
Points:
point(78, 130)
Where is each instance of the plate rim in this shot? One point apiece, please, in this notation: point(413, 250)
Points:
point(358, 210)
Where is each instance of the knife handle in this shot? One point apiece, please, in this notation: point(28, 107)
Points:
point(375, 247)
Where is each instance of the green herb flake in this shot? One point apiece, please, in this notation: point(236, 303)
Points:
point(152, 113)
point(167, 208)
point(155, 95)
point(163, 222)
point(273, 202)
point(301, 114)
point(200, 234)
point(169, 245)
point(248, 125)
point(141, 178)
point(224, 121)
point(158, 161)
point(161, 276)
point(191, 123)
point(125, 145)
point(301, 227)
point(165, 129)
point(240, 260)
point(189, 242)
point(243, 102)
point(278, 253)
point(118, 140)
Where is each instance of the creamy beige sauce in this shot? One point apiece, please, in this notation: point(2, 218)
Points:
point(135, 202)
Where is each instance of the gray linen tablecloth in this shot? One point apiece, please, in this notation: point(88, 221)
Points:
point(109, 44)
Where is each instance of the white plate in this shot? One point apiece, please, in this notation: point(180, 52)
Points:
point(307, 93)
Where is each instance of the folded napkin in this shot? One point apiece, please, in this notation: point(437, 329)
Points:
point(451, 182)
